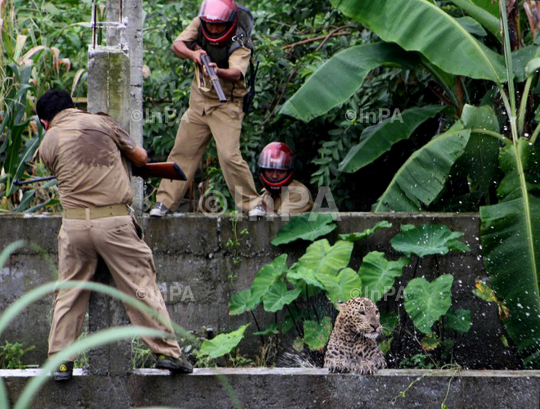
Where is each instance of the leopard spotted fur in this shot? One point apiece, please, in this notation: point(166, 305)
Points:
point(352, 346)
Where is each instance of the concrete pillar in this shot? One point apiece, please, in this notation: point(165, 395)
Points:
point(115, 87)
point(133, 13)
point(108, 91)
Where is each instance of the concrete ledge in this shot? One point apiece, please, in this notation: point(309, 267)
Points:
point(286, 388)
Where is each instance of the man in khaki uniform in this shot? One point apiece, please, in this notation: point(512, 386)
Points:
point(215, 32)
point(87, 153)
point(282, 194)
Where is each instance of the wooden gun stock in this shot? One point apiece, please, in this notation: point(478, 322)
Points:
point(163, 170)
point(205, 59)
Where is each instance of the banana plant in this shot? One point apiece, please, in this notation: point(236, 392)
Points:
point(477, 145)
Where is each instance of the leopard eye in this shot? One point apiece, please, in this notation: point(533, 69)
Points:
point(362, 312)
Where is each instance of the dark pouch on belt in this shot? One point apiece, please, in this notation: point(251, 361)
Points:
point(138, 228)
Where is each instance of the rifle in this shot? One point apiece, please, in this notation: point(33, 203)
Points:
point(163, 170)
point(205, 59)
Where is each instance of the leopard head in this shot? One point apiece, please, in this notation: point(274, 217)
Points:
point(360, 316)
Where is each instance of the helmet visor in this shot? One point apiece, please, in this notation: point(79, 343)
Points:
point(276, 159)
point(217, 11)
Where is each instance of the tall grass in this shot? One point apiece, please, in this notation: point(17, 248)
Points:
point(42, 46)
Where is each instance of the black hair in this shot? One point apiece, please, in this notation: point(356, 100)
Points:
point(53, 102)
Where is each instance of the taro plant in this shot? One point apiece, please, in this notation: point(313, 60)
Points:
point(488, 156)
point(294, 292)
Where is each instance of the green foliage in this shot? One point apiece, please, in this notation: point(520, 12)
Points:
point(324, 268)
point(308, 226)
point(459, 320)
point(460, 161)
point(222, 344)
point(359, 236)
point(317, 334)
point(327, 259)
point(42, 46)
point(11, 355)
point(426, 302)
point(141, 355)
point(427, 239)
point(325, 90)
point(378, 274)
point(379, 139)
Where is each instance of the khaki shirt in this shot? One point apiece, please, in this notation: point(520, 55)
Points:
point(84, 152)
point(294, 198)
point(203, 96)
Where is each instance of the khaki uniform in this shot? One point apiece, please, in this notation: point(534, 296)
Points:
point(207, 117)
point(294, 198)
point(84, 151)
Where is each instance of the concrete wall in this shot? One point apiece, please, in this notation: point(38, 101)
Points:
point(288, 388)
point(190, 252)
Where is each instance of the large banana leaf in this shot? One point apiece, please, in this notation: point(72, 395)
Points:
point(485, 12)
point(339, 78)
point(511, 247)
point(419, 25)
point(420, 180)
point(378, 139)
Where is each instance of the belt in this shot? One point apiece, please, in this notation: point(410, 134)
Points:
point(87, 213)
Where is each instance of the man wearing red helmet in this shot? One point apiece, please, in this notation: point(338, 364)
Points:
point(218, 32)
point(282, 194)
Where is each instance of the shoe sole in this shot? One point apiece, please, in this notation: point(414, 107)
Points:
point(174, 369)
point(155, 214)
point(61, 377)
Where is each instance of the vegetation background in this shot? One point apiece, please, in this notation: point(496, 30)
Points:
point(48, 41)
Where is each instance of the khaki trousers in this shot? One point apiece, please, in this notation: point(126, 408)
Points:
point(224, 123)
point(131, 265)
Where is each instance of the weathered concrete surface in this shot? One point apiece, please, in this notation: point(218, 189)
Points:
point(194, 266)
point(291, 388)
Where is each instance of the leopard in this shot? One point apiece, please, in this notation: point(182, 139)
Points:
point(352, 347)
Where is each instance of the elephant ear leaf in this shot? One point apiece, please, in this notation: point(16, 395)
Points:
point(428, 239)
point(222, 344)
point(366, 233)
point(309, 226)
point(426, 302)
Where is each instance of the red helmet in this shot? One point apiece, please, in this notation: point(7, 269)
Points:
point(222, 12)
point(279, 156)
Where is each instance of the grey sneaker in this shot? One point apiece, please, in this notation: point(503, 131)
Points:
point(175, 365)
point(159, 210)
point(257, 211)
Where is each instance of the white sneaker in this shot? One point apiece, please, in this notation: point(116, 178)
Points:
point(159, 210)
point(257, 211)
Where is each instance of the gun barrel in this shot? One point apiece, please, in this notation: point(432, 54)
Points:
point(213, 76)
